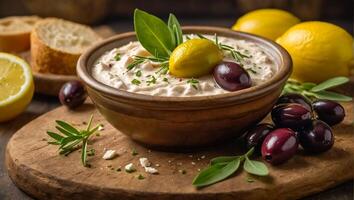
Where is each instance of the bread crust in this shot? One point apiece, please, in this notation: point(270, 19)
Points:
point(46, 59)
point(15, 41)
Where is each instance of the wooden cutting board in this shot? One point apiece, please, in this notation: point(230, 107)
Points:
point(37, 169)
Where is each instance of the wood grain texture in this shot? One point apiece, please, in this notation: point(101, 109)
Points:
point(38, 170)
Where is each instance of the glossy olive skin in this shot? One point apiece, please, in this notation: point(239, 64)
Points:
point(294, 116)
point(316, 138)
point(72, 94)
point(231, 76)
point(279, 146)
point(294, 98)
point(329, 111)
point(255, 136)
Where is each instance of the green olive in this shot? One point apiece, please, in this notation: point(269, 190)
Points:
point(194, 58)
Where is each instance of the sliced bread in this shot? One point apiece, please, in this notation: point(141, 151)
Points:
point(57, 44)
point(15, 33)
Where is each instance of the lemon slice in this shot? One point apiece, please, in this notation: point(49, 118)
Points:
point(16, 86)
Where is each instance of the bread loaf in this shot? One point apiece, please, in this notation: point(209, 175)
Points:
point(57, 44)
point(15, 33)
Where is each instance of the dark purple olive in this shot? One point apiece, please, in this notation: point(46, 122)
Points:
point(294, 98)
point(279, 146)
point(231, 76)
point(316, 138)
point(329, 111)
point(72, 94)
point(293, 115)
point(255, 136)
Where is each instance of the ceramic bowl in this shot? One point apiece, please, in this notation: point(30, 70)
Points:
point(185, 121)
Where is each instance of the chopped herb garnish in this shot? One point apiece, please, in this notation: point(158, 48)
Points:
point(134, 152)
point(117, 57)
point(91, 152)
point(72, 138)
point(252, 70)
point(138, 73)
point(140, 177)
point(193, 82)
point(136, 82)
point(130, 170)
point(165, 80)
point(152, 80)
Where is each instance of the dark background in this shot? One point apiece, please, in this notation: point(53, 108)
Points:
point(205, 12)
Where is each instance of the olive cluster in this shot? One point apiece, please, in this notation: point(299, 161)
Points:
point(297, 121)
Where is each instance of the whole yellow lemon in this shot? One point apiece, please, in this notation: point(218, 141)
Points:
point(319, 50)
point(194, 58)
point(269, 23)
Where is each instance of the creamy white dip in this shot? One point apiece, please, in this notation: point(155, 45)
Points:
point(145, 79)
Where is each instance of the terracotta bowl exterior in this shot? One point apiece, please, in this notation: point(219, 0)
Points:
point(185, 121)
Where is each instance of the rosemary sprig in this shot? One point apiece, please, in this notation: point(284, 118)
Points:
point(70, 138)
point(164, 67)
point(317, 91)
point(140, 59)
point(238, 56)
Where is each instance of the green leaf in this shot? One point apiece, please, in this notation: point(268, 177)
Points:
point(308, 85)
point(55, 136)
point(70, 147)
point(330, 83)
point(83, 152)
point(66, 141)
point(65, 132)
point(331, 96)
point(224, 159)
point(153, 33)
point(54, 143)
point(255, 167)
point(175, 29)
point(93, 130)
point(216, 173)
point(89, 123)
point(67, 127)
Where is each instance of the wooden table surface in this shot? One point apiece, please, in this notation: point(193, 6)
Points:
point(41, 104)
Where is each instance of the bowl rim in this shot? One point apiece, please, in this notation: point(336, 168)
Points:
point(281, 75)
